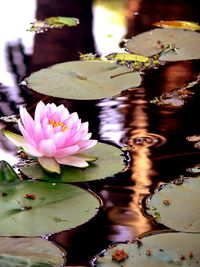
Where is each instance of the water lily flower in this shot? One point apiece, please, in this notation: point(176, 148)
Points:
point(54, 137)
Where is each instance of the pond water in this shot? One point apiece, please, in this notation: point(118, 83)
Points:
point(155, 133)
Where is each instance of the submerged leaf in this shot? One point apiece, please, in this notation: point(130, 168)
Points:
point(187, 25)
point(155, 250)
point(30, 252)
point(83, 80)
point(39, 208)
point(168, 44)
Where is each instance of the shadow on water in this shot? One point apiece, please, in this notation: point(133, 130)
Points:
point(155, 135)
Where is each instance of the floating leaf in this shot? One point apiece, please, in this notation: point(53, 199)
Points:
point(181, 212)
point(39, 26)
point(62, 21)
point(157, 250)
point(7, 173)
point(38, 208)
point(169, 44)
point(127, 57)
point(187, 25)
point(32, 252)
point(109, 162)
point(83, 80)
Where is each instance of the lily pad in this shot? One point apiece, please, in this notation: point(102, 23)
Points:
point(7, 173)
point(32, 208)
point(187, 25)
point(32, 252)
point(108, 163)
point(83, 80)
point(184, 44)
point(157, 250)
point(176, 205)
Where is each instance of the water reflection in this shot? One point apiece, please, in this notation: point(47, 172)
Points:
point(155, 134)
point(111, 126)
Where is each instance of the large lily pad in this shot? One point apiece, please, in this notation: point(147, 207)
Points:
point(32, 208)
point(161, 250)
point(109, 162)
point(176, 205)
point(184, 44)
point(83, 80)
point(32, 252)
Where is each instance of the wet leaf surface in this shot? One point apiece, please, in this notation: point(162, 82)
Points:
point(83, 80)
point(176, 205)
point(171, 44)
point(109, 162)
point(37, 208)
point(32, 252)
point(157, 250)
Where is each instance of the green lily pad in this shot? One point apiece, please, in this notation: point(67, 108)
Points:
point(157, 250)
point(32, 252)
point(83, 80)
point(32, 208)
point(185, 44)
point(7, 173)
point(109, 162)
point(176, 205)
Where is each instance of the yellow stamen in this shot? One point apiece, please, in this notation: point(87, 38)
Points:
point(58, 123)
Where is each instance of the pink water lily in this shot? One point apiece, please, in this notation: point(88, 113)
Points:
point(54, 137)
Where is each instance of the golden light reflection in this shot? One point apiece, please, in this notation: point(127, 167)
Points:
point(141, 165)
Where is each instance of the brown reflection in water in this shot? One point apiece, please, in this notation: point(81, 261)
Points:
point(141, 164)
point(141, 14)
point(177, 75)
point(59, 45)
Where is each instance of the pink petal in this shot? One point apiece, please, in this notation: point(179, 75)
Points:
point(86, 144)
point(39, 111)
point(31, 150)
point(59, 139)
point(73, 140)
point(29, 138)
point(73, 161)
point(48, 131)
point(27, 120)
point(47, 148)
point(61, 153)
point(49, 164)
point(38, 132)
point(19, 141)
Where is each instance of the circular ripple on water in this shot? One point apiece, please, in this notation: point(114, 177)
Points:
point(144, 140)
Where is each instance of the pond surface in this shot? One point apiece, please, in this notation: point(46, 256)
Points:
point(155, 133)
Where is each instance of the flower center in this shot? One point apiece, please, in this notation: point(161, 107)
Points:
point(58, 123)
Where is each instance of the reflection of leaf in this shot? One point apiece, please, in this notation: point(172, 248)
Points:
point(30, 252)
point(21, 215)
point(156, 250)
point(179, 194)
point(169, 44)
point(39, 26)
point(187, 25)
point(109, 162)
point(83, 80)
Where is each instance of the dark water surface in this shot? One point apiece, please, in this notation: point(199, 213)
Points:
point(156, 133)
